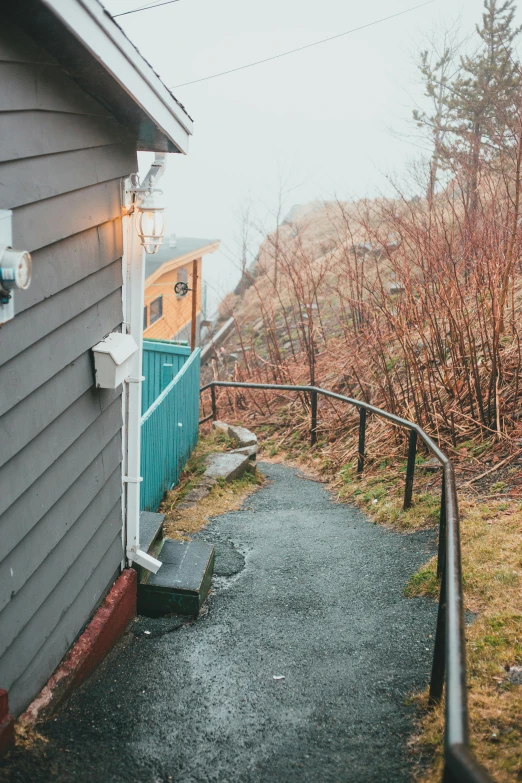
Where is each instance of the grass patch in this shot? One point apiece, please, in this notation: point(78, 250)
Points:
point(380, 494)
point(27, 738)
point(492, 569)
point(424, 581)
point(492, 576)
point(183, 523)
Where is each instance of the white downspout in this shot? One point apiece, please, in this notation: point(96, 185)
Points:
point(134, 295)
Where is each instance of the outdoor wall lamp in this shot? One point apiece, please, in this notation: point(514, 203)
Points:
point(150, 223)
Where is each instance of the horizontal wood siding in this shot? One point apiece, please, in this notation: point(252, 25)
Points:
point(177, 310)
point(62, 157)
point(44, 133)
point(35, 179)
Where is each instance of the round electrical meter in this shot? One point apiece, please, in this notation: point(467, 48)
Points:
point(16, 269)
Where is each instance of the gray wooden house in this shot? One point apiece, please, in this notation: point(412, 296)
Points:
point(77, 101)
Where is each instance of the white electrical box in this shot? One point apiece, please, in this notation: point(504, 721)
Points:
point(112, 359)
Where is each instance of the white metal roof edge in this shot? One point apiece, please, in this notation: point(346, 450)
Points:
point(102, 36)
point(173, 263)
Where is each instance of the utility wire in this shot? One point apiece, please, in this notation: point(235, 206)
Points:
point(144, 8)
point(306, 46)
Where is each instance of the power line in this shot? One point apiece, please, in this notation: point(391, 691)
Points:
point(306, 46)
point(145, 8)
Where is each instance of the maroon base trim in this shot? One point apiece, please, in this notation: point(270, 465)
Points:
point(104, 630)
point(6, 722)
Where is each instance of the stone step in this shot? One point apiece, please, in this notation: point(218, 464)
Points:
point(241, 436)
point(151, 530)
point(182, 583)
point(151, 538)
point(226, 465)
point(250, 451)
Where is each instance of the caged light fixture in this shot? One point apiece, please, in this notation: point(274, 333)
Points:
point(150, 223)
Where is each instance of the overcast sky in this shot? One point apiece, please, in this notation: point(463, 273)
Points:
point(320, 120)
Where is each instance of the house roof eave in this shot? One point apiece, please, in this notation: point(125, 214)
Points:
point(170, 266)
point(108, 66)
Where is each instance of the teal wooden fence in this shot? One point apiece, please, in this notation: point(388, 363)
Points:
point(162, 361)
point(169, 427)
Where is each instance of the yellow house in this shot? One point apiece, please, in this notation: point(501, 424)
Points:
point(166, 314)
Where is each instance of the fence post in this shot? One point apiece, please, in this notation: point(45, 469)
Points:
point(441, 553)
point(438, 667)
point(362, 439)
point(410, 469)
point(313, 429)
point(167, 374)
point(213, 398)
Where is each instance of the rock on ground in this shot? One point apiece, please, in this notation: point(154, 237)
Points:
point(225, 465)
point(250, 451)
point(221, 426)
point(241, 436)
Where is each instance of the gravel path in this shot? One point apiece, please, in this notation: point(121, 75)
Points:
point(306, 590)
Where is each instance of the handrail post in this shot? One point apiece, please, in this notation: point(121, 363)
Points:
point(441, 552)
point(438, 667)
point(313, 429)
point(410, 469)
point(213, 399)
point(362, 440)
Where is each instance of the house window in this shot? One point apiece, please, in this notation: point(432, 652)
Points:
point(156, 309)
point(182, 278)
point(145, 322)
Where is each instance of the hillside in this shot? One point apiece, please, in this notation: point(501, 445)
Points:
point(393, 303)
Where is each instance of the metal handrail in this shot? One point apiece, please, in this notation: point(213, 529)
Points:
point(449, 662)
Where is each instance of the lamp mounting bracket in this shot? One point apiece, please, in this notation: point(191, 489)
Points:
point(141, 189)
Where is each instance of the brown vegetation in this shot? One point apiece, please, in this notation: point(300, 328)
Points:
point(413, 303)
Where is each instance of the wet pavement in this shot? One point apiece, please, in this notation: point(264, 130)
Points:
point(298, 669)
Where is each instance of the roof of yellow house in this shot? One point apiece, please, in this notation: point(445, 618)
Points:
point(176, 251)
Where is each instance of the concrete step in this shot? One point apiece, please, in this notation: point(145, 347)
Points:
point(226, 465)
point(241, 436)
point(151, 538)
point(182, 583)
point(151, 530)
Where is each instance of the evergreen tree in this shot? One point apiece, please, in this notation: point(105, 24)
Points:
point(484, 97)
point(437, 67)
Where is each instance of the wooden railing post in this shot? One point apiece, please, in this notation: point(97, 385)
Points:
point(313, 429)
point(362, 440)
point(410, 469)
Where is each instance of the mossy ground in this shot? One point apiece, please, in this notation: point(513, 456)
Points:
point(181, 524)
